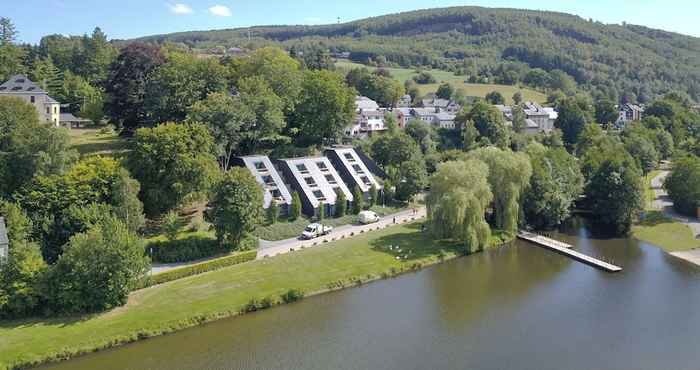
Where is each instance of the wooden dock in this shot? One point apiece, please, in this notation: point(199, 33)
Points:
point(566, 249)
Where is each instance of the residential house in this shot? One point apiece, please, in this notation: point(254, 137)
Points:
point(629, 113)
point(352, 169)
point(435, 117)
point(20, 86)
point(443, 105)
point(69, 120)
point(4, 241)
point(537, 118)
point(369, 118)
point(268, 177)
point(316, 181)
point(405, 101)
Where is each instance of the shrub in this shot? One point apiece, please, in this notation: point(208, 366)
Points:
point(171, 225)
point(295, 207)
point(192, 248)
point(197, 269)
point(292, 295)
point(273, 212)
point(341, 204)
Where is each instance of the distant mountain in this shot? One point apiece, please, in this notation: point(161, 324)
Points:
point(613, 60)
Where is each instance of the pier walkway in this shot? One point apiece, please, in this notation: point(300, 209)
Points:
point(566, 249)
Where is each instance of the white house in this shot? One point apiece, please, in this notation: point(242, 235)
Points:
point(369, 118)
point(629, 113)
point(47, 107)
point(537, 118)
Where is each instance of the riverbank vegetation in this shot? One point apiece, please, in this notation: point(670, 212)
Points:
point(225, 292)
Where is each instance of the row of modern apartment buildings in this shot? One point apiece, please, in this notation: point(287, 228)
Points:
point(317, 179)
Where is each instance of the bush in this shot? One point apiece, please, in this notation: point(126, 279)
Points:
point(273, 213)
point(292, 295)
point(255, 305)
point(295, 207)
point(192, 248)
point(197, 269)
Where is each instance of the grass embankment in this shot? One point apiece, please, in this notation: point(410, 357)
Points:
point(659, 229)
point(100, 140)
point(222, 293)
point(478, 90)
point(285, 229)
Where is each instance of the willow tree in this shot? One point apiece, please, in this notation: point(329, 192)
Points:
point(509, 174)
point(459, 195)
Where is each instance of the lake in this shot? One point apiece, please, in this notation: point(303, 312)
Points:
point(516, 307)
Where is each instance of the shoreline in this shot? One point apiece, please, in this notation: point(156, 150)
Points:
point(201, 319)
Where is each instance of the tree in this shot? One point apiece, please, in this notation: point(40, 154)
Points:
point(560, 80)
point(11, 61)
point(174, 87)
point(683, 185)
point(273, 213)
point(615, 193)
point(517, 98)
point(8, 33)
point(341, 204)
point(235, 206)
point(571, 121)
point(643, 151)
point(470, 136)
point(555, 185)
point(29, 147)
point(445, 91)
point(509, 174)
point(321, 211)
point(423, 134)
point(519, 119)
point(495, 97)
point(172, 161)
point(325, 108)
point(457, 202)
point(392, 150)
point(295, 207)
point(357, 201)
point(424, 78)
point(20, 280)
point(373, 195)
point(488, 121)
point(605, 112)
point(281, 72)
point(126, 84)
point(46, 74)
point(125, 203)
point(266, 130)
point(98, 269)
point(96, 57)
point(413, 178)
point(170, 225)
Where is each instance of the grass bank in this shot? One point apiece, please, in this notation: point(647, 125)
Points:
point(100, 141)
point(478, 90)
point(222, 293)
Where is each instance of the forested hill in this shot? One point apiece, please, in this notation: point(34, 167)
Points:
point(615, 60)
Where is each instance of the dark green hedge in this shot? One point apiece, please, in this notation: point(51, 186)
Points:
point(191, 249)
point(197, 269)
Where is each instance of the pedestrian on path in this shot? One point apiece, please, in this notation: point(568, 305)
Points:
point(394, 219)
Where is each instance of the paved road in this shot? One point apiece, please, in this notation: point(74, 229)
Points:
point(663, 203)
point(270, 248)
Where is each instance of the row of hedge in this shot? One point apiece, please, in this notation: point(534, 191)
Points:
point(197, 269)
point(192, 248)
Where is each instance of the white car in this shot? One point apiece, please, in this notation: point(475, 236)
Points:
point(368, 217)
point(315, 230)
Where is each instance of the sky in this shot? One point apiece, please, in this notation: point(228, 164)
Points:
point(123, 19)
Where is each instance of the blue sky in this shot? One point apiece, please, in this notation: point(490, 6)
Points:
point(133, 18)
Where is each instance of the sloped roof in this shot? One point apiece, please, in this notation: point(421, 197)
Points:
point(21, 84)
point(3, 232)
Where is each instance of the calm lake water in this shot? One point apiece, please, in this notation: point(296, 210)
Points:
point(517, 307)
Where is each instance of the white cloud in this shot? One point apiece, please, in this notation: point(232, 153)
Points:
point(180, 8)
point(220, 10)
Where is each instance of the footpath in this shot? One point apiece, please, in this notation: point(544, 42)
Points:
point(663, 203)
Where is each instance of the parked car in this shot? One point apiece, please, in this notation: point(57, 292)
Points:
point(368, 217)
point(315, 230)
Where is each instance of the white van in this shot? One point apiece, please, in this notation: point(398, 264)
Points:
point(368, 217)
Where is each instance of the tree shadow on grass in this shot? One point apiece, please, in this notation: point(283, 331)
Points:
point(58, 321)
point(653, 218)
point(414, 245)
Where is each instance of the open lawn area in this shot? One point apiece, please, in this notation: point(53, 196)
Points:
point(665, 233)
point(478, 90)
point(196, 299)
point(649, 194)
point(97, 141)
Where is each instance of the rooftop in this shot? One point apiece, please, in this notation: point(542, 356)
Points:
point(20, 84)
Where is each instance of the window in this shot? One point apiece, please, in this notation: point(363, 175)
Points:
point(267, 179)
point(331, 179)
point(319, 195)
point(310, 181)
point(322, 166)
point(32, 99)
point(276, 194)
point(357, 168)
point(349, 157)
point(55, 110)
point(260, 166)
point(302, 168)
point(48, 110)
point(365, 179)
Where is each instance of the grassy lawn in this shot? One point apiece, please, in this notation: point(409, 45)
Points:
point(97, 141)
point(665, 233)
point(285, 229)
point(479, 90)
point(221, 293)
point(649, 194)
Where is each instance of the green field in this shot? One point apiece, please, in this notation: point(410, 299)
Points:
point(97, 141)
point(665, 233)
point(478, 90)
point(196, 299)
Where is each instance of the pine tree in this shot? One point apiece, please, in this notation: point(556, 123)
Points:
point(295, 207)
point(273, 212)
point(8, 33)
point(357, 201)
point(321, 211)
point(373, 195)
point(341, 204)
